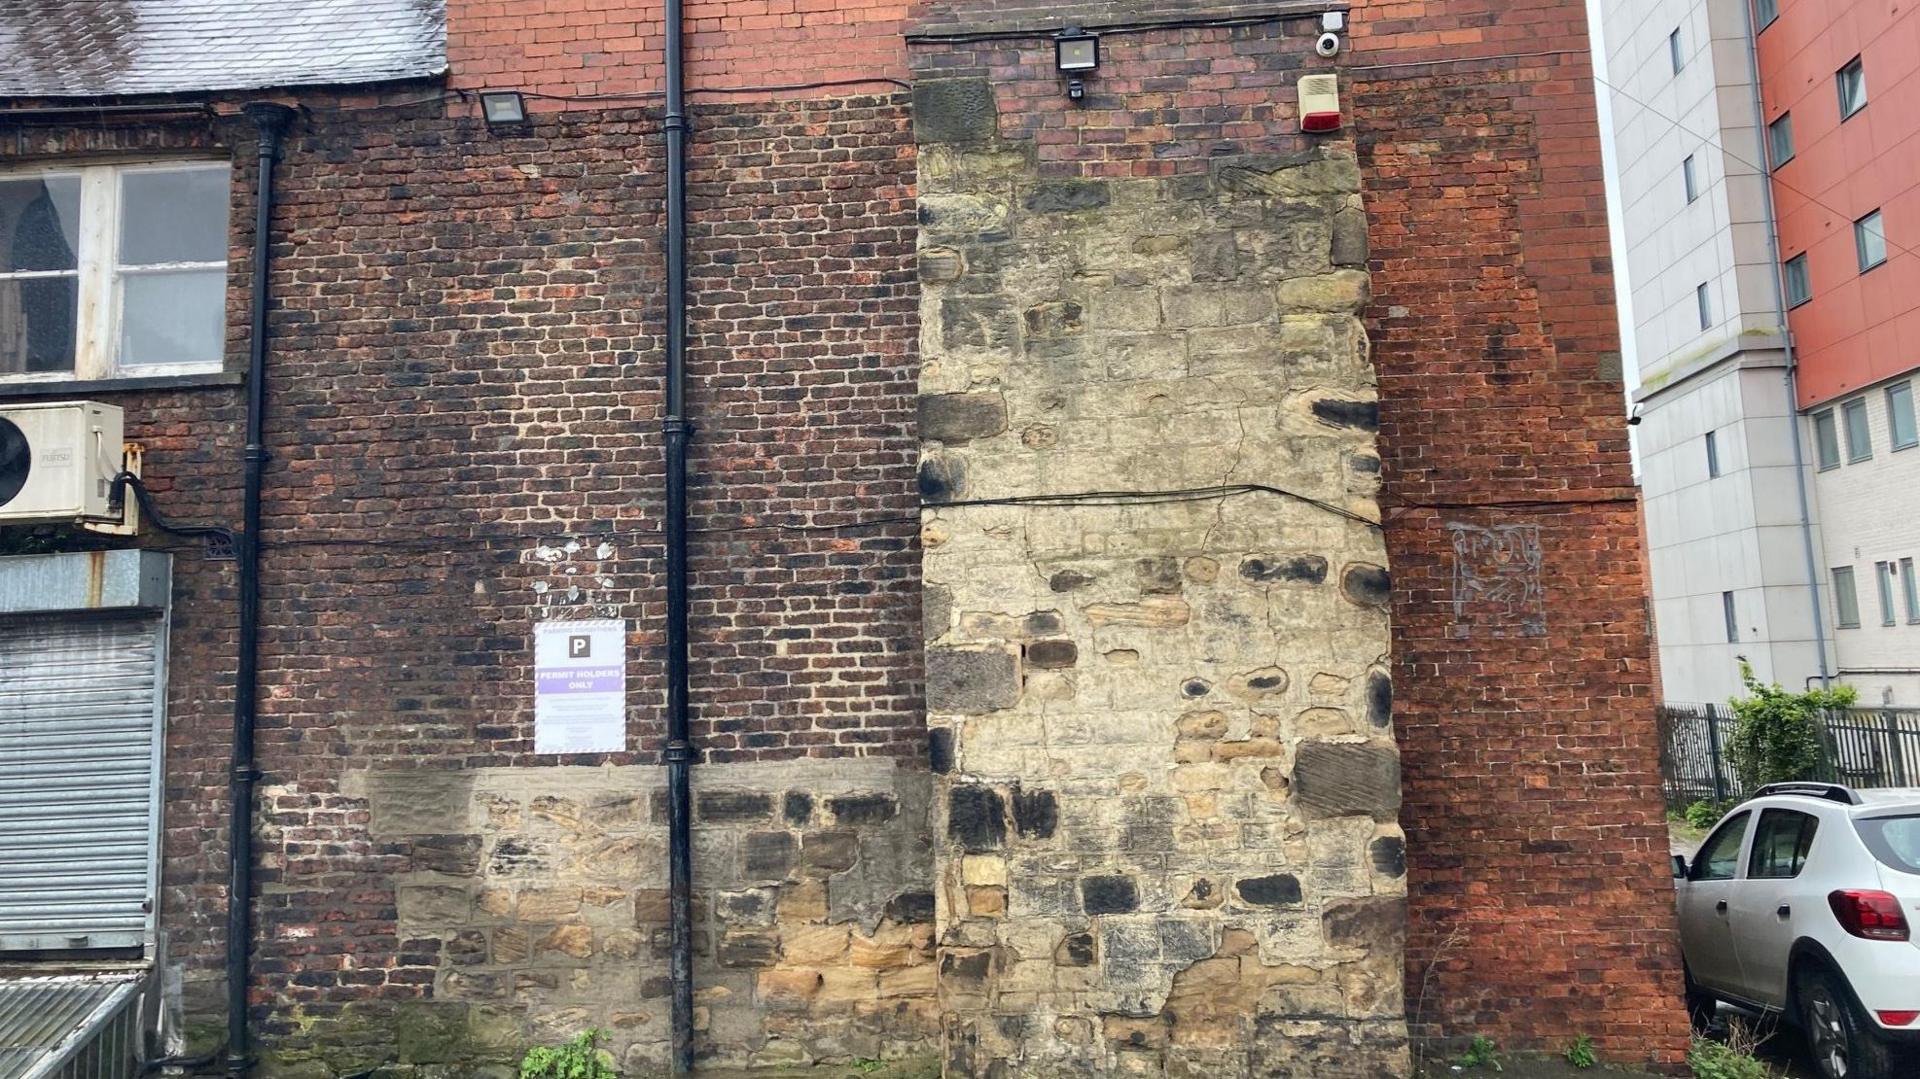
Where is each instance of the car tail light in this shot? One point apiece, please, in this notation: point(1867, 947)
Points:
point(1873, 915)
point(1897, 1019)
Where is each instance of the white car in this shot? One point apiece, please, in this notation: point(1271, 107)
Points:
point(1802, 903)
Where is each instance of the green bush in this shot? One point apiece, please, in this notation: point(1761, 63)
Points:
point(581, 1058)
point(1703, 813)
point(1712, 1060)
point(1776, 734)
point(1580, 1054)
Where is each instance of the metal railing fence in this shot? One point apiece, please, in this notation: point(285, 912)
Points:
point(1861, 747)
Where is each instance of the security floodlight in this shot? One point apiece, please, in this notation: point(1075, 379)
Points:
point(503, 108)
point(1075, 50)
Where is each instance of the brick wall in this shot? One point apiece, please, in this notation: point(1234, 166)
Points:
point(463, 418)
point(1541, 905)
point(589, 47)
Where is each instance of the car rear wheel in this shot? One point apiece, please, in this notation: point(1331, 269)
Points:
point(1842, 1041)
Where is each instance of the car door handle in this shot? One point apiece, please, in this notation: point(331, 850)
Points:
point(1720, 907)
point(1784, 910)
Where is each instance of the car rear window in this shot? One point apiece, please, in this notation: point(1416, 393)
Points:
point(1893, 840)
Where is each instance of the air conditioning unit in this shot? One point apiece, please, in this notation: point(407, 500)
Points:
point(58, 461)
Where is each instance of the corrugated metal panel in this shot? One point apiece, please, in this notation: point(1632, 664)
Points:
point(79, 746)
point(70, 1028)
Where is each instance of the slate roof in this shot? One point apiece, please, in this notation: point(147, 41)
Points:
point(89, 48)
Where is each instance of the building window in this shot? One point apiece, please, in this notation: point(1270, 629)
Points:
point(1870, 241)
point(1826, 439)
point(1883, 577)
point(1799, 282)
point(1673, 51)
point(1690, 178)
point(1731, 616)
point(1780, 140)
point(1859, 435)
point(1900, 416)
point(1766, 11)
point(1911, 589)
point(1846, 605)
point(1705, 304)
point(1713, 456)
point(113, 271)
point(1852, 82)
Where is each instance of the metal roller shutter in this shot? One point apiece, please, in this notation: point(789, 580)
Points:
point(79, 756)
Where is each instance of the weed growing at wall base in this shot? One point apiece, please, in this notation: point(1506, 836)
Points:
point(580, 1058)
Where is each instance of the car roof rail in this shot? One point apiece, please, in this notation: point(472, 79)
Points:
point(1832, 792)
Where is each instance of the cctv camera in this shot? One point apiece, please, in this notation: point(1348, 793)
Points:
point(1328, 45)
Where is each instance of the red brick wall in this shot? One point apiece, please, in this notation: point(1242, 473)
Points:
point(465, 379)
point(1541, 907)
point(587, 47)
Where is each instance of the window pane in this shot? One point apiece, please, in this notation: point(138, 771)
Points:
point(37, 319)
point(1780, 844)
point(1900, 415)
point(1799, 284)
point(1701, 300)
point(1673, 51)
point(1859, 436)
point(1720, 856)
point(175, 317)
point(1780, 140)
point(1768, 11)
point(1690, 179)
point(1852, 81)
point(40, 223)
point(1911, 588)
point(1870, 240)
point(1826, 439)
point(1883, 577)
point(1732, 616)
point(173, 215)
point(1895, 841)
point(1846, 603)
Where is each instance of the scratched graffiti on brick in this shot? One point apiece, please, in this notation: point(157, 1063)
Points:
point(1496, 581)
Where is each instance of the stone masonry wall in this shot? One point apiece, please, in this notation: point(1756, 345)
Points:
point(1168, 787)
point(543, 892)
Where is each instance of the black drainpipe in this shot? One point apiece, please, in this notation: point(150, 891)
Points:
point(676, 428)
point(272, 120)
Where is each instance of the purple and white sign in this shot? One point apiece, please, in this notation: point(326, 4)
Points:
point(580, 687)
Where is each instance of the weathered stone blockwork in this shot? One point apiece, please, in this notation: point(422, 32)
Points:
point(1168, 809)
point(542, 892)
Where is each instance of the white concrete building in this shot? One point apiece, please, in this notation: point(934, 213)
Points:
point(1727, 552)
point(1805, 570)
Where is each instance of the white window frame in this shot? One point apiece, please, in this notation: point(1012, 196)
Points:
point(1826, 422)
point(1846, 599)
point(1852, 76)
point(1910, 589)
point(1896, 394)
point(1883, 573)
point(1868, 232)
point(1780, 139)
point(96, 339)
point(1853, 417)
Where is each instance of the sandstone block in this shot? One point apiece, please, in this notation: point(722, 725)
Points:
point(1333, 779)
